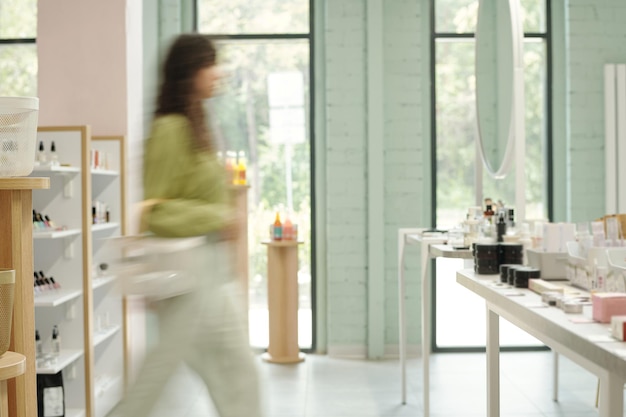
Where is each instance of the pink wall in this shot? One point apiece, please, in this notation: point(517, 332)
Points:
point(82, 64)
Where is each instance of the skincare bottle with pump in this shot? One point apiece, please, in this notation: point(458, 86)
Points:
point(501, 226)
point(38, 345)
point(41, 155)
point(54, 158)
point(56, 341)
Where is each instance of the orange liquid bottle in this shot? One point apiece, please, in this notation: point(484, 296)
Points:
point(278, 228)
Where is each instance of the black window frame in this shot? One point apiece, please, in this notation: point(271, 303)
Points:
point(434, 36)
point(311, 39)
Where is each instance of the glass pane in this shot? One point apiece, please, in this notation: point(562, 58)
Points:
point(455, 118)
point(261, 79)
point(535, 61)
point(534, 15)
point(18, 19)
point(455, 106)
point(18, 70)
point(238, 17)
point(459, 16)
point(456, 16)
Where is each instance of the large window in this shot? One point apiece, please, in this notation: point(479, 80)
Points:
point(18, 51)
point(264, 111)
point(454, 138)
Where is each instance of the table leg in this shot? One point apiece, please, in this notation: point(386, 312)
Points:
point(493, 364)
point(555, 376)
point(426, 301)
point(402, 312)
point(611, 396)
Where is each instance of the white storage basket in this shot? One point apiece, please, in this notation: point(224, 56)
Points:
point(18, 135)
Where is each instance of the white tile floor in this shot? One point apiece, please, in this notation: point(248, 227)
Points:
point(327, 387)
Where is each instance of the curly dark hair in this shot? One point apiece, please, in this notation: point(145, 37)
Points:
point(188, 54)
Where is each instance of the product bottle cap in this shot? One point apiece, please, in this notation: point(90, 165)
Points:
point(41, 148)
point(55, 332)
point(37, 337)
point(53, 147)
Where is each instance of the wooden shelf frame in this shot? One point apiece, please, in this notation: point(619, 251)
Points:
point(16, 252)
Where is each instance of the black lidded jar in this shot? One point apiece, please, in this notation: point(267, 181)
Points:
point(486, 259)
point(522, 275)
point(511, 253)
point(504, 272)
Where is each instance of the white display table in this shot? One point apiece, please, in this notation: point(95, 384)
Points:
point(431, 247)
point(587, 344)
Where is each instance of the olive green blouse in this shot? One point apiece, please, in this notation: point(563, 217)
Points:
point(192, 182)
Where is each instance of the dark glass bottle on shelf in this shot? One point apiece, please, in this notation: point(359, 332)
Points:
point(501, 226)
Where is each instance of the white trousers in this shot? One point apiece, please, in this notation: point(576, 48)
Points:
point(205, 329)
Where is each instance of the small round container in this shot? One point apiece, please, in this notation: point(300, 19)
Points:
point(504, 270)
point(572, 307)
point(551, 297)
point(522, 275)
point(510, 273)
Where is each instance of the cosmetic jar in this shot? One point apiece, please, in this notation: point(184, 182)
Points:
point(551, 297)
point(511, 253)
point(522, 275)
point(572, 307)
point(504, 272)
point(486, 259)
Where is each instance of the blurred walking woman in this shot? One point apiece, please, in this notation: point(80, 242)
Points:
point(186, 185)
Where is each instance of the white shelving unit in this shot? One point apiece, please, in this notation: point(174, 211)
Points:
point(55, 298)
point(74, 413)
point(65, 359)
point(63, 255)
point(102, 336)
point(72, 257)
point(104, 226)
point(109, 352)
point(55, 234)
point(102, 281)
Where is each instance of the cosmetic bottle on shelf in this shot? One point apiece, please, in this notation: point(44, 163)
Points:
point(54, 158)
point(38, 345)
point(56, 341)
point(41, 155)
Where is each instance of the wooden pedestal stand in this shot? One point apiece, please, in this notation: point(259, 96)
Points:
point(11, 365)
point(282, 300)
point(239, 196)
point(16, 252)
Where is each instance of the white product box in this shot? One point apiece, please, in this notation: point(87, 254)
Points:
point(551, 264)
point(618, 324)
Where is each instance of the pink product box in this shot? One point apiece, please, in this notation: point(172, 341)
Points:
point(607, 305)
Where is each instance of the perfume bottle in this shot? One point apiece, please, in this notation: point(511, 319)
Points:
point(38, 345)
point(41, 155)
point(56, 341)
point(54, 158)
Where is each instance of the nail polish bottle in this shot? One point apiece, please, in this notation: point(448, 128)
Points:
point(55, 284)
point(36, 284)
point(50, 222)
point(56, 341)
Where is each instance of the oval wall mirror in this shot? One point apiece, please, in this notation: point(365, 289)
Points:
point(499, 43)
